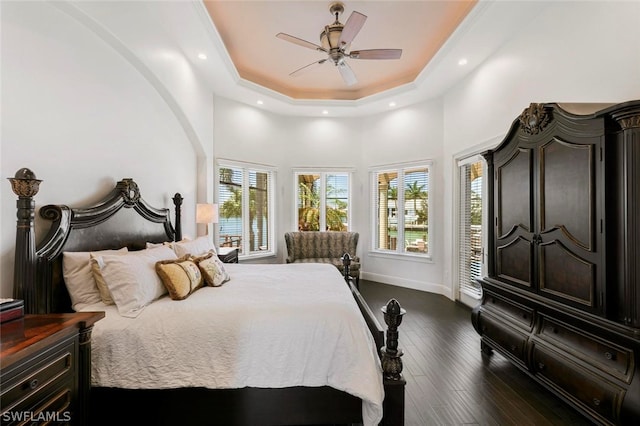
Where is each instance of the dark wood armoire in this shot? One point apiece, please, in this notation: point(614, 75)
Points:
point(561, 298)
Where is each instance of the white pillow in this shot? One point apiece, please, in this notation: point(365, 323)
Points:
point(76, 270)
point(132, 279)
point(198, 247)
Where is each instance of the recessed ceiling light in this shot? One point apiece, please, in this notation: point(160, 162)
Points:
point(325, 112)
point(462, 61)
point(259, 102)
point(202, 56)
point(392, 104)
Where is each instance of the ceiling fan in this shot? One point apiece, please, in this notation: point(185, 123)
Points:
point(335, 41)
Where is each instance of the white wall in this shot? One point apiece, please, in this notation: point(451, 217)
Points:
point(571, 52)
point(83, 111)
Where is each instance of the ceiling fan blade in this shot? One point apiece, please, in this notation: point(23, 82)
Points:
point(376, 54)
point(307, 67)
point(347, 74)
point(300, 42)
point(351, 28)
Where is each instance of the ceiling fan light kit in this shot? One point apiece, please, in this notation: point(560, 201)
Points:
point(336, 39)
point(330, 36)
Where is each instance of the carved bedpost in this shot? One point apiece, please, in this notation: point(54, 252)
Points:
point(177, 202)
point(391, 361)
point(394, 383)
point(25, 186)
point(346, 262)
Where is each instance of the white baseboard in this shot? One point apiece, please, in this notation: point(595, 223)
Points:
point(407, 283)
point(469, 301)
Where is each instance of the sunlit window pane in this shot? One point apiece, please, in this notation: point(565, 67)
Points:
point(416, 184)
point(401, 222)
point(387, 194)
point(322, 199)
point(337, 201)
point(259, 211)
point(230, 207)
point(309, 202)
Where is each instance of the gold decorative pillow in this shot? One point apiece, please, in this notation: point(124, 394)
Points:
point(180, 276)
point(212, 269)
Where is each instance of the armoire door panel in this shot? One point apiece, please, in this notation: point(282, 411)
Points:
point(514, 180)
point(567, 196)
point(566, 275)
point(514, 260)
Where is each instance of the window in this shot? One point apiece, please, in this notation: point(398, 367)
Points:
point(245, 204)
point(401, 197)
point(470, 233)
point(322, 200)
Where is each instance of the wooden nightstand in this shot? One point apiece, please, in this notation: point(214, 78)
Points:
point(228, 254)
point(46, 368)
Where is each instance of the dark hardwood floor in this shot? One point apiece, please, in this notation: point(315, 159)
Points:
point(449, 380)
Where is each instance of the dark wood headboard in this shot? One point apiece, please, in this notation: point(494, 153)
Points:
point(121, 219)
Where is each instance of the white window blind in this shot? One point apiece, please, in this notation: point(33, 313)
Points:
point(470, 231)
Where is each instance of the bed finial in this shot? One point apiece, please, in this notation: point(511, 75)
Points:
point(177, 202)
point(25, 185)
point(391, 362)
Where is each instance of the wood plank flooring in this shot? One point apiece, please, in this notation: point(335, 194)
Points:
point(449, 380)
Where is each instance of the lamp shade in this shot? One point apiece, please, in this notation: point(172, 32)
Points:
point(206, 213)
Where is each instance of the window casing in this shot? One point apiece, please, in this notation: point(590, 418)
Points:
point(400, 201)
point(323, 200)
point(245, 195)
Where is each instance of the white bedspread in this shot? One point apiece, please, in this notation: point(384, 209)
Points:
point(270, 326)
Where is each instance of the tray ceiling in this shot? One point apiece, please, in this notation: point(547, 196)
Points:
point(248, 30)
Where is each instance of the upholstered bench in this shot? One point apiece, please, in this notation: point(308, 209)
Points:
point(324, 247)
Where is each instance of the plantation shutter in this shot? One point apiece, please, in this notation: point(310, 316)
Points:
point(470, 231)
point(230, 207)
point(384, 195)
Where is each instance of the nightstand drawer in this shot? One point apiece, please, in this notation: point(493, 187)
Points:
point(52, 406)
point(30, 382)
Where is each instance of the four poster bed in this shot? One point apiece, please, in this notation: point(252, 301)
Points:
point(265, 344)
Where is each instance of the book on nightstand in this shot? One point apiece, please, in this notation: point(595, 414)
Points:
point(11, 309)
